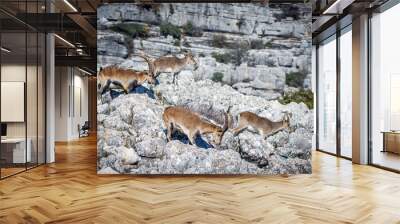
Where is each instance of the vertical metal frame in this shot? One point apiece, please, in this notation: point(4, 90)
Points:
point(316, 97)
point(26, 86)
point(45, 88)
point(338, 74)
point(369, 79)
point(37, 90)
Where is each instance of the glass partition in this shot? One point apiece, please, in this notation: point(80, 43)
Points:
point(41, 96)
point(22, 77)
point(31, 98)
point(13, 94)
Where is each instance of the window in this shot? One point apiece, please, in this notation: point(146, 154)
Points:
point(385, 89)
point(346, 93)
point(327, 95)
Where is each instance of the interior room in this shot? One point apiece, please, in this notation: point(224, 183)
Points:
point(71, 103)
point(22, 99)
point(299, 120)
point(385, 107)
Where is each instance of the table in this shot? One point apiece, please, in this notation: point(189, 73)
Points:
point(391, 141)
point(15, 148)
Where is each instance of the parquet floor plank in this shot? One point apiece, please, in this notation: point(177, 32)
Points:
point(70, 191)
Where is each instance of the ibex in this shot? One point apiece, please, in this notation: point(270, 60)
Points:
point(191, 124)
point(111, 77)
point(262, 125)
point(169, 64)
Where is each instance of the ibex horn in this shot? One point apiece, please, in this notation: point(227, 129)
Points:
point(148, 61)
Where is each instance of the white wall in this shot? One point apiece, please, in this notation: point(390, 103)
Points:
point(70, 83)
point(11, 73)
point(17, 73)
point(33, 126)
point(61, 103)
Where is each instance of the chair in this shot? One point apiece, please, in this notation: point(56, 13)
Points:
point(84, 130)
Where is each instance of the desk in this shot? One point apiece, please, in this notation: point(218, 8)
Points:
point(15, 148)
point(391, 141)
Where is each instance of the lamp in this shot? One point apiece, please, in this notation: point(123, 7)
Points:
point(5, 50)
point(64, 40)
point(70, 5)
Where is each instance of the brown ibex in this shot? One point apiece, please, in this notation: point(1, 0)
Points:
point(191, 124)
point(262, 125)
point(169, 64)
point(112, 77)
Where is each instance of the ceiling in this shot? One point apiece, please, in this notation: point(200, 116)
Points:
point(328, 15)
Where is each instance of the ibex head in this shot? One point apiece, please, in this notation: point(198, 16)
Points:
point(219, 133)
point(191, 60)
point(150, 78)
point(286, 119)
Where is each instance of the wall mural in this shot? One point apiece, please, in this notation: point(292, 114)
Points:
point(204, 89)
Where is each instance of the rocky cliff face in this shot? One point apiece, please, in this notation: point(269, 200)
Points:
point(260, 45)
point(132, 138)
point(270, 41)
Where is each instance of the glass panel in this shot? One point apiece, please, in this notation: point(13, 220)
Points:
point(346, 94)
point(22, 88)
point(327, 96)
point(31, 100)
point(41, 99)
point(13, 79)
point(385, 84)
point(32, 88)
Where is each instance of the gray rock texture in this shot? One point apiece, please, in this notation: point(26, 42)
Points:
point(275, 40)
point(131, 133)
point(133, 125)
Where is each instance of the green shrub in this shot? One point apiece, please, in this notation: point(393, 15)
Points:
point(191, 30)
point(186, 44)
point(291, 11)
point(131, 29)
point(295, 79)
point(304, 95)
point(219, 41)
point(155, 7)
point(268, 44)
point(257, 44)
point(222, 58)
point(217, 77)
point(177, 43)
point(170, 29)
point(241, 22)
point(239, 54)
point(235, 56)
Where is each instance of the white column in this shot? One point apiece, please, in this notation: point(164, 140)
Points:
point(360, 90)
point(50, 101)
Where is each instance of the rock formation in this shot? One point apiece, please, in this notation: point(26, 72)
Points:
point(131, 135)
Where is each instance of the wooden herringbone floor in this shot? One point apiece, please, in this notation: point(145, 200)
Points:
point(69, 191)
